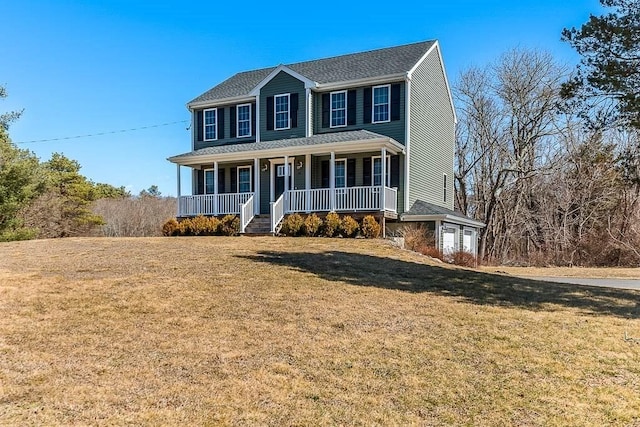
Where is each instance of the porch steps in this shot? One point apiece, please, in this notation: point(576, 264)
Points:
point(259, 226)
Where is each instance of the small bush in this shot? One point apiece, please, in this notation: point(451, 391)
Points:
point(464, 259)
point(185, 227)
point(312, 225)
point(171, 228)
point(349, 226)
point(331, 224)
point(415, 238)
point(212, 226)
point(432, 252)
point(292, 225)
point(229, 225)
point(199, 225)
point(370, 227)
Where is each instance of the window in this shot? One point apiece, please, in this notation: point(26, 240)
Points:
point(376, 165)
point(208, 181)
point(244, 179)
point(338, 109)
point(280, 170)
point(444, 189)
point(281, 111)
point(381, 104)
point(210, 124)
point(244, 120)
point(341, 173)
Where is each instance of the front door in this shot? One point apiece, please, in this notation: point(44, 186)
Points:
point(279, 184)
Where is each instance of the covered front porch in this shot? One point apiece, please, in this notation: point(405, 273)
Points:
point(301, 175)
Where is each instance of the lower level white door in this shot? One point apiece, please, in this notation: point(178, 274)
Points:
point(448, 241)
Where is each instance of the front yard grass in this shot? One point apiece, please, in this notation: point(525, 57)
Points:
point(279, 331)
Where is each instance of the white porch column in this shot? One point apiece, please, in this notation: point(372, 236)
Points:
point(332, 181)
point(179, 185)
point(215, 187)
point(383, 178)
point(272, 182)
point(286, 184)
point(307, 182)
point(256, 186)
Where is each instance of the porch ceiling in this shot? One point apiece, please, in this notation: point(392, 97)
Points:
point(338, 142)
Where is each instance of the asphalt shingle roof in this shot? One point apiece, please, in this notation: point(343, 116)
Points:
point(421, 208)
point(355, 66)
point(328, 138)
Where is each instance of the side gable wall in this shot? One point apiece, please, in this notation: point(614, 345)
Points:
point(432, 135)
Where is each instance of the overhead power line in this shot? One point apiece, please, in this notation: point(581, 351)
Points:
point(102, 133)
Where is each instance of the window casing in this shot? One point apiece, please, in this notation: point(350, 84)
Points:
point(209, 181)
point(244, 179)
point(376, 171)
point(338, 109)
point(280, 170)
point(211, 124)
point(281, 112)
point(244, 120)
point(340, 173)
point(381, 103)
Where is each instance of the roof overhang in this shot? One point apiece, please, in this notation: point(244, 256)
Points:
point(444, 218)
point(362, 82)
point(221, 101)
point(391, 145)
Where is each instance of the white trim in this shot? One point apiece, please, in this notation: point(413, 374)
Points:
point(238, 121)
point(369, 81)
point(204, 124)
point(256, 186)
point(222, 101)
point(407, 143)
point(387, 168)
point(331, 108)
point(307, 83)
point(257, 118)
point(309, 121)
point(443, 217)
point(436, 47)
point(238, 178)
point(373, 104)
point(275, 111)
point(474, 239)
point(391, 145)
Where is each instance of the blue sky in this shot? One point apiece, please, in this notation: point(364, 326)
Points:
point(85, 67)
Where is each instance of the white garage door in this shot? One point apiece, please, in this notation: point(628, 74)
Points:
point(467, 241)
point(448, 241)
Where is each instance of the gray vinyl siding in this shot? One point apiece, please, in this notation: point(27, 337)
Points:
point(282, 83)
point(432, 133)
point(227, 130)
point(264, 189)
point(394, 129)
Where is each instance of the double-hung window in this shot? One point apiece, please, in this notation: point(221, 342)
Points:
point(209, 181)
point(381, 103)
point(376, 165)
point(244, 120)
point(341, 173)
point(210, 124)
point(281, 111)
point(244, 179)
point(339, 109)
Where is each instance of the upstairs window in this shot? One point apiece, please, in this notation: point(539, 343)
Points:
point(381, 104)
point(210, 124)
point(244, 120)
point(444, 187)
point(281, 111)
point(244, 179)
point(338, 109)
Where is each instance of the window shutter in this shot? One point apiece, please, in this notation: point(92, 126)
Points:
point(366, 171)
point(395, 102)
point(366, 115)
point(351, 172)
point(324, 172)
point(232, 122)
point(326, 110)
point(220, 180)
point(220, 118)
point(351, 107)
point(234, 180)
point(269, 112)
point(200, 179)
point(199, 126)
point(293, 110)
point(253, 119)
point(395, 171)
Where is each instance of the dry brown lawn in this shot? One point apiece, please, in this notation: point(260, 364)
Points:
point(277, 331)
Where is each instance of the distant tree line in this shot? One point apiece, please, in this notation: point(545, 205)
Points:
point(550, 159)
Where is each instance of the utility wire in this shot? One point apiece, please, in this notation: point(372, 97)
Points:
point(102, 133)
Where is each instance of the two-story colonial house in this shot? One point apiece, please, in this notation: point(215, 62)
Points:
point(369, 132)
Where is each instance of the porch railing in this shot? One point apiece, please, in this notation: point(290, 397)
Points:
point(246, 213)
point(391, 199)
point(351, 199)
point(212, 204)
point(277, 212)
